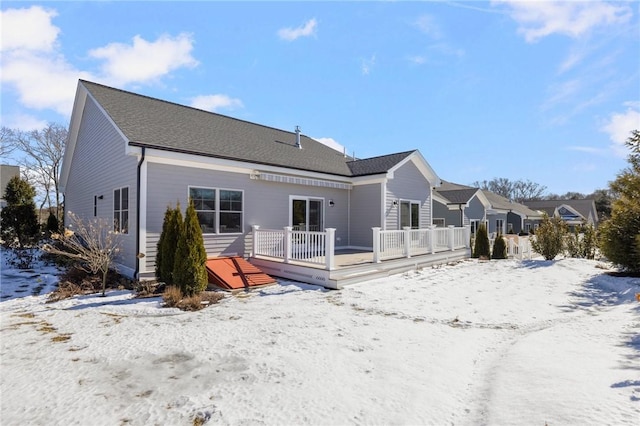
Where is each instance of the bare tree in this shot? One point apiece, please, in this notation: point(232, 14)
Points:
point(44, 150)
point(525, 190)
point(519, 190)
point(92, 243)
point(7, 141)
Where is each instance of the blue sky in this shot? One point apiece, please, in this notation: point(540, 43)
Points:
point(545, 91)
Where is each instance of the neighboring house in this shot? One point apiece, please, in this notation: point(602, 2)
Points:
point(129, 156)
point(508, 217)
point(6, 173)
point(461, 205)
point(573, 212)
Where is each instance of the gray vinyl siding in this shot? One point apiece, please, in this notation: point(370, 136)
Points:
point(101, 165)
point(264, 203)
point(475, 211)
point(441, 211)
point(516, 221)
point(492, 222)
point(407, 184)
point(365, 214)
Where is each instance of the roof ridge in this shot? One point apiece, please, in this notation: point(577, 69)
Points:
point(381, 156)
point(190, 107)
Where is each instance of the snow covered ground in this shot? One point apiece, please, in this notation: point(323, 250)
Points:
point(495, 343)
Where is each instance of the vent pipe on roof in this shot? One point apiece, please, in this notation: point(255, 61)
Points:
point(298, 137)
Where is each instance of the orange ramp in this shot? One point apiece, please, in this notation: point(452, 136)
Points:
point(234, 273)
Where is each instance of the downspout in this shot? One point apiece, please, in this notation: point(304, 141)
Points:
point(136, 275)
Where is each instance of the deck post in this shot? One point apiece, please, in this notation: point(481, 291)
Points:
point(407, 241)
point(254, 230)
point(376, 244)
point(329, 249)
point(467, 236)
point(287, 243)
point(452, 237)
point(432, 239)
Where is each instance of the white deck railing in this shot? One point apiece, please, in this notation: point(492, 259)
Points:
point(413, 242)
point(518, 247)
point(318, 248)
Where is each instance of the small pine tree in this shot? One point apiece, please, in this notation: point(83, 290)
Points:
point(620, 234)
point(53, 226)
point(589, 242)
point(499, 248)
point(19, 218)
point(550, 236)
point(167, 243)
point(481, 247)
point(189, 270)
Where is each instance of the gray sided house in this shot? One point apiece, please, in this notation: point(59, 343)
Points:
point(573, 212)
point(459, 205)
point(129, 156)
point(462, 205)
point(6, 174)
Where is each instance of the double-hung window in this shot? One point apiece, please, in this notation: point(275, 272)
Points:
point(121, 210)
point(219, 210)
point(230, 211)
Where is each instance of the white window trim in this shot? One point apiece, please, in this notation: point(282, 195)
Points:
point(217, 208)
point(406, 200)
point(440, 220)
point(307, 198)
point(128, 210)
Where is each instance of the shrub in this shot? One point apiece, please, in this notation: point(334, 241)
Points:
point(549, 241)
point(620, 234)
point(189, 271)
point(165, 257)
point(92, 244)
point(581, 243)
point(481, 246)
point(20, 227)
point(499, 248)
point(53, 225)
point(172, 296)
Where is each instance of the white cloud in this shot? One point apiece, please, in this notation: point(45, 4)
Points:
point(538, 19)
point(214, 102)
point(29, 29)
point(42, 81)
point(306, 30)
point(33, 66)
point(428, 25)
point(142, 60)
point(23, 122)
point(367, 64)
point(331, 143)
point(620, 125)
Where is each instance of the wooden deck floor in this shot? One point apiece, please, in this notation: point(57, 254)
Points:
point(353, 266)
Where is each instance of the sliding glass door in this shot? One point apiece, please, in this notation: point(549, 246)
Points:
point(307, 214)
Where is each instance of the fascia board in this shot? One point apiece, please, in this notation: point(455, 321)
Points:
point(72, 137)
point(422, 165)
point(159, 156)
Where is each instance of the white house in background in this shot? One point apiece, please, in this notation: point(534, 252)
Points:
point(130, 156)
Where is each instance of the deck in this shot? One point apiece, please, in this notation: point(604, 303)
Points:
point(352, 266)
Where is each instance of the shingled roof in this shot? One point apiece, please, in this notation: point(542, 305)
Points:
point(456, 193)
point(154, 123)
